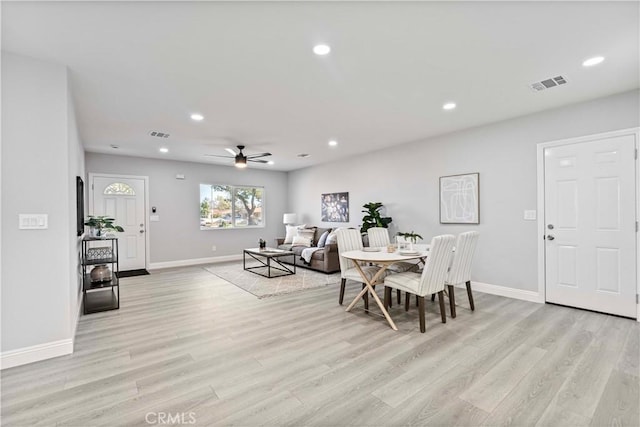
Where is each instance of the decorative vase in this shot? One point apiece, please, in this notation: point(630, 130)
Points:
point(100, 273)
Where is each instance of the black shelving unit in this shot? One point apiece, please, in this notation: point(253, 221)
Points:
point(105, 295)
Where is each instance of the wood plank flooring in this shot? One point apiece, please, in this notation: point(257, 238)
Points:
point(186, 347)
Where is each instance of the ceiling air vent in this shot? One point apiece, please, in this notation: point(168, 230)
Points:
point(548, 83)
point(159, 134)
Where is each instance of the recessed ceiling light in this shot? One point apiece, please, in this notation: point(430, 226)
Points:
point(333, 143)
point(197, 117)
point(270, 162)
point(321, 49)
point(114, 146)
point(449, 106)
point(593, 61)
point(164, 150)
point(303, 155)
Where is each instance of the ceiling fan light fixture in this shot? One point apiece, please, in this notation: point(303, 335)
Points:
point(241, 162)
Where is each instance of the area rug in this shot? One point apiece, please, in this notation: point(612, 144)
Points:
point(263, 287)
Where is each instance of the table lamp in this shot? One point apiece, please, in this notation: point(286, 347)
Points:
point(289, 218)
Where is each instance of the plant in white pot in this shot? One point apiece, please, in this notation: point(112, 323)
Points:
point(100, 225)
point(411, 237)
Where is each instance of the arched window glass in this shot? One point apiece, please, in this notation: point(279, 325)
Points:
point(119, 188)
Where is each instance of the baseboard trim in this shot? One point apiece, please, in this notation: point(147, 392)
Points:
point(195, 261)
point(503, 291)
point(22, 356)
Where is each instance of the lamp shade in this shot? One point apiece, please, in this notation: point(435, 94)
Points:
point(289, 218)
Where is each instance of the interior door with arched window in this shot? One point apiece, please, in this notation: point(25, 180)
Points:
point(123, 198)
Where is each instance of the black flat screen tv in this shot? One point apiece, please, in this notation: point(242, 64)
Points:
point(79, 206)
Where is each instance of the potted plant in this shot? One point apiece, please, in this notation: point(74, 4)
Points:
point(373, 218)
point(99, 225)
point(411, 236)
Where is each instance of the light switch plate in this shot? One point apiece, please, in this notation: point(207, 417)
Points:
point(530, 215)
point(33, 221)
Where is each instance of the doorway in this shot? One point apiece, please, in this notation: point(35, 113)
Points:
point(588, 222)
point(125, 199)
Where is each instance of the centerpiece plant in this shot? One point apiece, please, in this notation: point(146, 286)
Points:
point(411, 236)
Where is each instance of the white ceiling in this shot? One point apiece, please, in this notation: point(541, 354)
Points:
point(248, 67)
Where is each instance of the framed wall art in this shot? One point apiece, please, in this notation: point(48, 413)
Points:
point(334, 207)
point(460, 199)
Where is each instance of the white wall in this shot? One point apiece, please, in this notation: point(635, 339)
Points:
point(177, 236)
point(76, 168)
point(405, 180)
point(37, 177)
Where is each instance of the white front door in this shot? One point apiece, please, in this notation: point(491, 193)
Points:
point(123, 199)
point(590, 225)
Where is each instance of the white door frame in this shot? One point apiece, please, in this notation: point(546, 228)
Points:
point(147, 231)
point(541, 207)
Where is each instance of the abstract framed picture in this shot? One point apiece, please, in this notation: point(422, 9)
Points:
point(460, 199)
point(334, 207)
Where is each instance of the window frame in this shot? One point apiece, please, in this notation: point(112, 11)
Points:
point(233, 188)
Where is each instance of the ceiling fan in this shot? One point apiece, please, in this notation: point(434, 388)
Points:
point(240, 158)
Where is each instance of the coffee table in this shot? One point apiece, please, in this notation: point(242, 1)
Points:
point(264, 257)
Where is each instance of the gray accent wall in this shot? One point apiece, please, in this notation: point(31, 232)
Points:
point(405, 179)
point(177, 236)
point(41, 155)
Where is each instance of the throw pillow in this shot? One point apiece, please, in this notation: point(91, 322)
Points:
point(332, 238)
point(323, 239)
point(301, 241)
point(292, 230)
point(307, 233)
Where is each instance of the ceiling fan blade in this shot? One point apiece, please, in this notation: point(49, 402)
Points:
point(252, 156)
point(230, 151)
point(257, 161)
point(215, 155)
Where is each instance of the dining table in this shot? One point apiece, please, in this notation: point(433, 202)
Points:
point(383, 259)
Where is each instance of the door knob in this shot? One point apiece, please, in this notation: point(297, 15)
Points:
point(550, 237)
point(141, 231)
point(550, 226)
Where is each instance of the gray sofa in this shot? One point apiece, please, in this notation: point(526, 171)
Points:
point(325, 259)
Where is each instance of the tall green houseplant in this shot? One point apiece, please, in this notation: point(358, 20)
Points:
point(373, 218)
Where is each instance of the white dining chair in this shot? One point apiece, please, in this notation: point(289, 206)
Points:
point(430, 281)
point(460, 271)
point(350, 239)
point(379, 238)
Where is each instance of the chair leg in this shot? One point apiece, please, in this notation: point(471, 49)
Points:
point(433, 297)
point(407, 300)
point(387, 297)
point(452, 301)
point(470, 295)
point(399, 296)
point(443, 314)
point(342, 286)
point(421, 313)
point(417, 305)
point(365, 297)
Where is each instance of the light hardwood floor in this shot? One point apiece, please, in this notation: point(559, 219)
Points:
point(188, 344)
